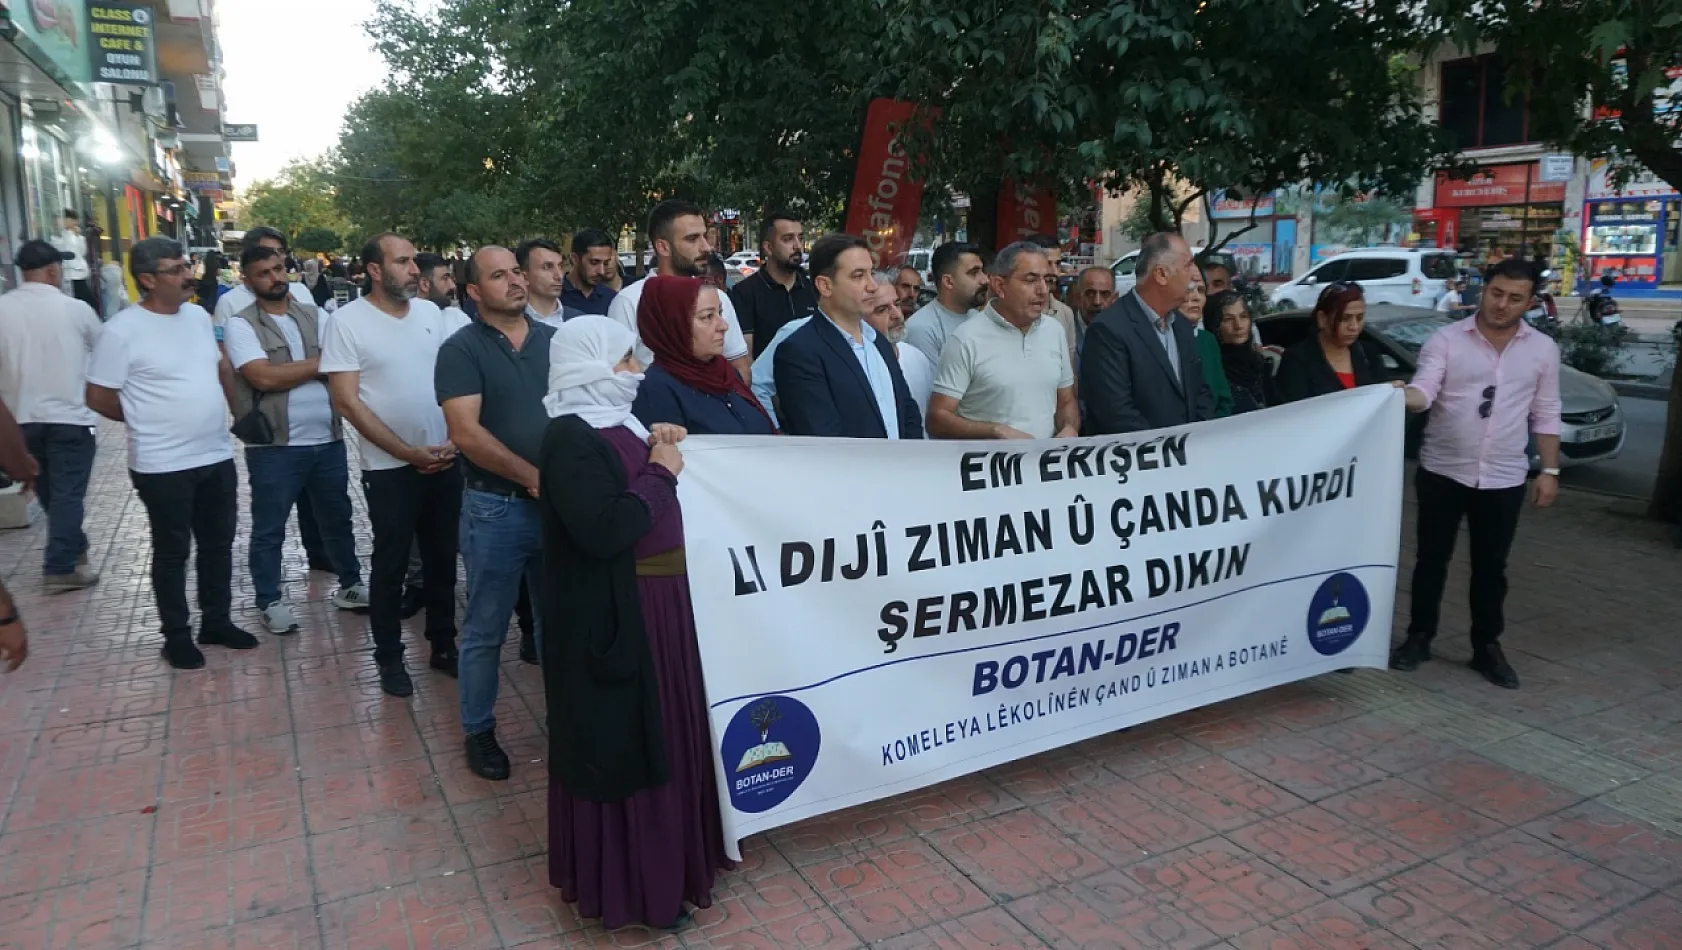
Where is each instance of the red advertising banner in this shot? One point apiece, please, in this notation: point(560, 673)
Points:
point(885, 200)
point(1023, 213)
point(1498, 185)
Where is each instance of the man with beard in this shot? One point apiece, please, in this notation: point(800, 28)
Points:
point(438, 284)
point(908, 286)
point(157, 370)
point(679, 232)
point(960, 290)
point(274, 346)
point(587, 289)
point(887, 315)
point(779, 291)
point(379, 356)
point(491, 378)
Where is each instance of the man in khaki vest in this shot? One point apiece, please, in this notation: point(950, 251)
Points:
point(294, 439)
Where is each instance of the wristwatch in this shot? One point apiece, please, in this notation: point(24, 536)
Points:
point(1551, 471)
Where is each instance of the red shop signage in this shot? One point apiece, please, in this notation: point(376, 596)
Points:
point(1024, 213)
point(885, 199)
point(1497, 185)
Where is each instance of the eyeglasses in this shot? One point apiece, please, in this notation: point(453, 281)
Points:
point(1488, 405)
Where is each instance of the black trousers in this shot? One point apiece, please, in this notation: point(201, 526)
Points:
point(1491, 516)
point(195, 506)
point(83, 290)
point(405, 506)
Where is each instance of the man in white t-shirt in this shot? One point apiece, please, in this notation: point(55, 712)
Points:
point(1449, 302)
point(45, 340)
point(679, 232)
point(274, 348)
point(379, 355)
point(232, 301)
point(73, 243)
point(157, 370)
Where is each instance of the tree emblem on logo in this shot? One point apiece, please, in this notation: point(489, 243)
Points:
point(763, 716)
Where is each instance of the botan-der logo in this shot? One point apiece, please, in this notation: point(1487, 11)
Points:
point(768, 750)
point(1338, 614)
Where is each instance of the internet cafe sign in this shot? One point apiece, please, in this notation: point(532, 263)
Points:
point(120, 43)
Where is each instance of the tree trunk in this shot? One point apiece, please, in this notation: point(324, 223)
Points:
point(1667, 491)
point(983, 224)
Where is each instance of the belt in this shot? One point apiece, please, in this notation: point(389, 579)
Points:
point(665, 564)
point(485, 489)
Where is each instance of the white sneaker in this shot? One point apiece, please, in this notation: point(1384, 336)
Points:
point(354, 597)
point(279, 618)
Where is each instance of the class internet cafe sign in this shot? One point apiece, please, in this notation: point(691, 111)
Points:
point(885, 199)
point(1007, 598)
point(120, 43)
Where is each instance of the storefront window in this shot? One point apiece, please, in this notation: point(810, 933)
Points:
point(50, 179)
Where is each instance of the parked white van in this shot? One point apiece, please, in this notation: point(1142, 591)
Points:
point(1410, 277)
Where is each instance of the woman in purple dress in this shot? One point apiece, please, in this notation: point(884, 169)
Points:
point(634, 828)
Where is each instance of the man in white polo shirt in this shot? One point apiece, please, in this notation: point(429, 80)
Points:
point(45, 339)
point(379, 356)
point(679, 232)
point(1004, 374)
point(274, 348)
point(157, 369)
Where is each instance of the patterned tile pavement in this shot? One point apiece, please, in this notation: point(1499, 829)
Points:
point(276, 799)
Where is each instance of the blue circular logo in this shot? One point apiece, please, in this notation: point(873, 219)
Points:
point(768, 749)
point(1338, 614)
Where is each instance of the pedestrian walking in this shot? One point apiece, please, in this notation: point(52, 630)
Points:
point(1490, 383)
point(157, 369)
point(379, 355)
point(491, 377)
point(294, 441)
point(46, 338)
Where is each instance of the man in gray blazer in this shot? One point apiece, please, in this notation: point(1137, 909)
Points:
point(1139, 367)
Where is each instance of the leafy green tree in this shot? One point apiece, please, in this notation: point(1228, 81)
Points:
point(320, 240)
point(1622, 60)
point(298, 199)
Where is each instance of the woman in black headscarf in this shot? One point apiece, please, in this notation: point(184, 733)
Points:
point(1227, 317)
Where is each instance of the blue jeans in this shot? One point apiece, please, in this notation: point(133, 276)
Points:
point(65, 455)
point(501, 542)
point(280, 474)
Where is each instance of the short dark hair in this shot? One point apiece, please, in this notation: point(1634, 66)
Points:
point(145, 256)
point(945, 258)
point(256, 236)
point(769, 224)
point(662, 215)
point(256, 254)
point(829, 249)
point(70, 215)
point(1513, 268)
point(373, 252)
point(591, 237)
point(522, 254)
point(429, 262)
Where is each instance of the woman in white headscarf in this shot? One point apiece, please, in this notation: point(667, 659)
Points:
point(634, 828)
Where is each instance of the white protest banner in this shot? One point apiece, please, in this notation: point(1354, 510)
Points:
point(875, 617)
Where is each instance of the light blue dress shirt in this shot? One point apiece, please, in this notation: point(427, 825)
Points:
point(876, 371)
point(764, 375)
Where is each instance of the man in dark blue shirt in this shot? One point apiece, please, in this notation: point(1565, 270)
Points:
point(585, 289)
point(779, 291)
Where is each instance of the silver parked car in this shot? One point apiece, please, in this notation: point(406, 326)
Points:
point(1592, 424)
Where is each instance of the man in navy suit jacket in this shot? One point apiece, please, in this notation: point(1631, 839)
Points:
point(836, 376)
point(1139, 367)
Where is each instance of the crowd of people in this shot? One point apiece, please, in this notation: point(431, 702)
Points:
point(537, 442)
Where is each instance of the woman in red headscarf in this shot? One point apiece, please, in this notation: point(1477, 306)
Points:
point(691, 384)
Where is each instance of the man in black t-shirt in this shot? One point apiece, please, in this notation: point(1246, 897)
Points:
point(779, 291)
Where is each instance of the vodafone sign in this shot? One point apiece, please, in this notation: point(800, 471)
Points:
point(885, 199)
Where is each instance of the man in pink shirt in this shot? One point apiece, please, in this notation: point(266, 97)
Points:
point(1490, 382)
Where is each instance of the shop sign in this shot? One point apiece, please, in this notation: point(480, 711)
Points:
point(244, 132)
point(1557, 167)
point(1254, 258)
point(1642, 184)
point(56, 34)
point(1667, 96)
point(1024, 212)
point(120, 43)
point(1624, 212)
point(1497, 185)
point(201, 181)
point(1221, 205)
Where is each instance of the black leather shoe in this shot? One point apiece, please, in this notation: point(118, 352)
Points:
point(414, 599)
point(1413, 651)
point(528, 648)
point(395, 681)
point(445, 662)
point(486, 758)
point(227, 635)
point(180, 653)
point(1492, 663)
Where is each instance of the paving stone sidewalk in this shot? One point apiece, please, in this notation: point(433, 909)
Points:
point(276, 799)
